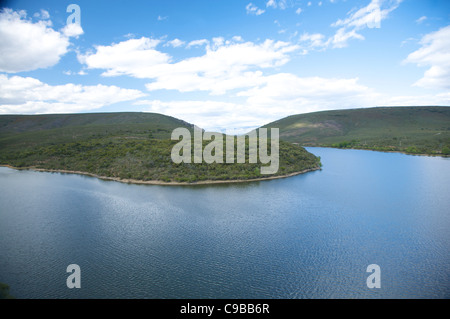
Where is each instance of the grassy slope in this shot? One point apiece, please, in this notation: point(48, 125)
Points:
point(416, 130)
point(21, 131)
point(121, 145)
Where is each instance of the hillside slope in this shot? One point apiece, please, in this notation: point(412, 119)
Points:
point(415, 130)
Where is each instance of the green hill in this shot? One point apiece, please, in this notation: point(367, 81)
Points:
point(23, 130)
point(123, 146)
point(414, 130)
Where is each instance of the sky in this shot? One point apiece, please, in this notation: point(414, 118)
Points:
point(224, 65)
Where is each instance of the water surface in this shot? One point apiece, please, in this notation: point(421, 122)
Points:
point(307, 236)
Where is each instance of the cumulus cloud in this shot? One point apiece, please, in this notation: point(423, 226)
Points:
point(307, 94)
point(135, 57)
point(226, 64)
point(434, 53)
point(29, 46)
point(223, 67)
point(29, 95)
point(26, 45)
point(72, 30)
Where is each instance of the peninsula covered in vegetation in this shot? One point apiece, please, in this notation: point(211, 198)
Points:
point(131, 147)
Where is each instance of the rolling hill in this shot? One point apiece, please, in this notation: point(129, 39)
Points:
point(414, 130)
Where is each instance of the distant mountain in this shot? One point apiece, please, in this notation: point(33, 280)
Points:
point(415, 130)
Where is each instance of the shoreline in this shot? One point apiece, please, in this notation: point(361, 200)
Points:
point(368, 149)
point(160, 183)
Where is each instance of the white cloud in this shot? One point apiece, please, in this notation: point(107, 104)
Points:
point(252, 9)
point(223, 68)
point(29, 95)
point(129, 35)
point(281, 4)
point(271, 3)
point(435, 53)
point(161, 18)
point(421, 19)
point(341, 37)
point(226, 65)
point(315, 40)
point(207, 114)
point(369, 16)
point(298, 11)
point(237, 38)
point(44, 15)
point(175, 43)
point(197, 43)
point(135, 57)
point(217, 42)
point(72, 30)
point(275, 97)
point(27, 46)
point(307, 94)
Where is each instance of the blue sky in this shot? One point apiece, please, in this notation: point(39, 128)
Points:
point(220, 64)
